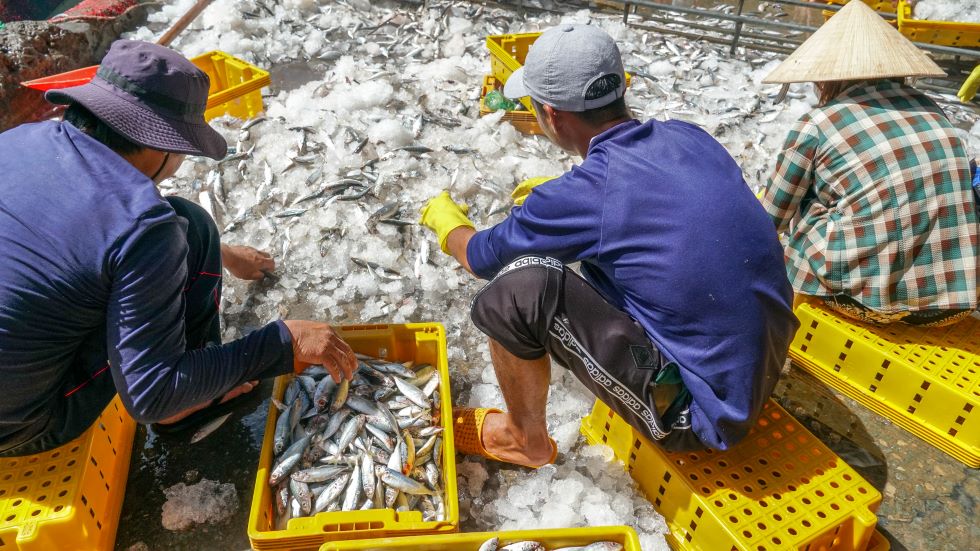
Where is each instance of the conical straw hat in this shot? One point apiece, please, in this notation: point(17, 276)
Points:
point(856, 43)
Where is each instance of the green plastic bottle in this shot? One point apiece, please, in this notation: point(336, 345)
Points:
point(496, 101)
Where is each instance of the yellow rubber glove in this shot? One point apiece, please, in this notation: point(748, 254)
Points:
point(970, 86)
point(443, 215)
point(524, 188)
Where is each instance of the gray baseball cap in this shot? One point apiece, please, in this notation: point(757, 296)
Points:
point(571, 68)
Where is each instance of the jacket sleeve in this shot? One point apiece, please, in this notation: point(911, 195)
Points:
point(561, 218)
point(794, 174)
point(154, 373)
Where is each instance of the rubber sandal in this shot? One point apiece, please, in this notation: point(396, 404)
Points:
point(468, 435)
point(215, 409)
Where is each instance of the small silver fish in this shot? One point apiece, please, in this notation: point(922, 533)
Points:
point(403, 483)
point(491, 544)
point(523, 546)
point(210, 427)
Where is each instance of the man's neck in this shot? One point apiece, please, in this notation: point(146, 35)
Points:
point(582, 146)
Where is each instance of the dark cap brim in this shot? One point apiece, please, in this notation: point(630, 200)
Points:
point(141, 125)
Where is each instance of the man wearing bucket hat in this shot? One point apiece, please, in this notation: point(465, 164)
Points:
point(108, 287)
point(681, 319)
point(873, 186)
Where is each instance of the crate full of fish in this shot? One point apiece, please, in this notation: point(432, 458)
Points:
point(597, 538)
point(367, 458)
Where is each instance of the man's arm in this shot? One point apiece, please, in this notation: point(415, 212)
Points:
point(457, 242)
point(154, 373)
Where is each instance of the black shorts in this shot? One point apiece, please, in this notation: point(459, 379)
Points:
point(537, 306)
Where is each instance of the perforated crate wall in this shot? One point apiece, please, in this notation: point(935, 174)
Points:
point(781, 488)
point(925, 380)
point(71, 494)
point(944, 33)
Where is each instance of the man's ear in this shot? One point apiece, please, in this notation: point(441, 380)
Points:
point(551, 115)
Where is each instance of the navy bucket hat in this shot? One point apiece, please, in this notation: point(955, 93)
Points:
point(151, 95)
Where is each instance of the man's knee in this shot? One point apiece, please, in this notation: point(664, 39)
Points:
point(198, 219)
point(516, 307)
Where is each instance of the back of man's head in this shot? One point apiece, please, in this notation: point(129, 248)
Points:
point(86, 121)
point(576, 69)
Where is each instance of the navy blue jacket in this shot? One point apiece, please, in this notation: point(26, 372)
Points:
point(92, 269)
point(668, 231)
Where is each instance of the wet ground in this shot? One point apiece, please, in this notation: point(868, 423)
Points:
point(930, 500)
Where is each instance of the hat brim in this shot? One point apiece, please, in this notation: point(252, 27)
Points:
point(514, 88)
point(141, 125)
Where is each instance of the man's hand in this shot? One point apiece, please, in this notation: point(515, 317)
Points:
point(524, 188)
point(443, 215)
point(245, 262)
point(316, 343)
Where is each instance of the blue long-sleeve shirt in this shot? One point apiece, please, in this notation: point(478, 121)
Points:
point(668, 231)
point(92, 269)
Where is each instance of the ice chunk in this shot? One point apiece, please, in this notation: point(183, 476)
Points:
point(207, 502)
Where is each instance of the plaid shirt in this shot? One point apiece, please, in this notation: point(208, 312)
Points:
point(873, 191)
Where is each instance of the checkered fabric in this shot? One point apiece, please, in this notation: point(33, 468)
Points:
point(873, 190)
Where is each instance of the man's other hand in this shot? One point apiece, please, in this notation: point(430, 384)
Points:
point(246, 263)
point(316, 343)
point(524, 188)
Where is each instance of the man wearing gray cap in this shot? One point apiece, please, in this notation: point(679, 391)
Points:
point(681, 318)
point(107, 287)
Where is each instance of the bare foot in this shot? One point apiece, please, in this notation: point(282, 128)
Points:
point(505, 440)
point(247, 263)
point(232, 394)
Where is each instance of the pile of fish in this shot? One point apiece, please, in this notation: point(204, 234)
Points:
point(371, 442)
point(493, 544)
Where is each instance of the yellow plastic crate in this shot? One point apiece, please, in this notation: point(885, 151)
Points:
point(507, 54)
point(523, 121)
point(420, 342)
point(470, 541)
point(924, 380)
point(943, 33)
point(235, 85)
point(69, 497)
point(780, 488)
point(883, 6)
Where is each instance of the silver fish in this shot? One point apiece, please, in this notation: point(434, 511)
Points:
point(335, 422)
point(350, 431)
point(361, 405)
point(402, 483)
point(210, 427)
point(412, 393)
point(367, 475)
point(319, 474)
point(290, 458)
point(353, 494)
point(332, 493)
point(302, 493)
point(322, 392)
point(491, 544)
point(523, 546)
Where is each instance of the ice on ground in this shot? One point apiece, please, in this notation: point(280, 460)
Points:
point(207, 502)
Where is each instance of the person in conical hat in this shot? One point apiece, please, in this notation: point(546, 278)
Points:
point(872, 188)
